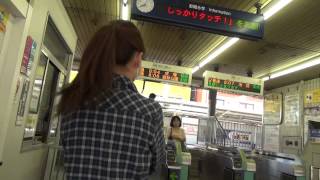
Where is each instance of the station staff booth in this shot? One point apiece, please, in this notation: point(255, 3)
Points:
point(37, 43)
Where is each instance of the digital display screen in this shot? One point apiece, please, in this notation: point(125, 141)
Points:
point(189, 14)
point(212, 18)
point(233, 85)
point(164, 75)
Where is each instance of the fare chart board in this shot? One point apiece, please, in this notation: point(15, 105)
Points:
point(199, 16)
point(238, 84)
point(165, 73)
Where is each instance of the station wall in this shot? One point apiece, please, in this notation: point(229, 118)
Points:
point(27, 165)
point(291, 132)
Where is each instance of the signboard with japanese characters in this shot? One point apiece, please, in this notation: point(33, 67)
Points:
point(240, 137)
point(291, 109)
point(228, 82)
point(272, 114)
point(185, 13)
point(22, 102)
point(166, 73)
point(312, 98)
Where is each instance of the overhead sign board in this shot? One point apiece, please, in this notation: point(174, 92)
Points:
point(166, 73)
point(239, 84)
point(185, 13)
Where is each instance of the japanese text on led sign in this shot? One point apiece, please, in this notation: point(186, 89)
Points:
point(228, 84)
point(167, 73)
point(212, 17)
point(164, 75)
point(203, 17)
point(240, 84)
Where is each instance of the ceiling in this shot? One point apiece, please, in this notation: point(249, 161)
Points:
point(291, 36)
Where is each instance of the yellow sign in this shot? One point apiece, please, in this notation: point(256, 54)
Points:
point(165, 90)
point(272, 108)
point(272, 103)
point(312, 98)
point(4, 16)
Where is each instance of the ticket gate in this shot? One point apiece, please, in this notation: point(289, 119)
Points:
point(178, 161)
point(277, 166)
point(225, 163)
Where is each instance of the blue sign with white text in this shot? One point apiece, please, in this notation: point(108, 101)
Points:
point(202, 17)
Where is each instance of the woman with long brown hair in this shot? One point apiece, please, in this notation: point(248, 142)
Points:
point(108, 130)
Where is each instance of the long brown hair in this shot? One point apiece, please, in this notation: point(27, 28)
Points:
point(114, 44)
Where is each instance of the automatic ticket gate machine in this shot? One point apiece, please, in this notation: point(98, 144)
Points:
point(178, 162)
point(224, 163)
point(278, 166)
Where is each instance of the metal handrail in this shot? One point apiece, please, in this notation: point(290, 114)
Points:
point(223, 130)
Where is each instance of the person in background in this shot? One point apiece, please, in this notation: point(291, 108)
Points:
point(108, 130)
point(152, 96)
point(176, 132)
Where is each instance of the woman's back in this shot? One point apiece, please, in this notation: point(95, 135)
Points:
point(108, 130)
point(120, 138)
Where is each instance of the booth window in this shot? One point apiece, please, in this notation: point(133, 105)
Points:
point(42, 121)
point(50, 74)
point(48, 94)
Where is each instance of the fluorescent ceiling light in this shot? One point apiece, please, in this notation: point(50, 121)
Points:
point(125, 10)
point(292, 69)
point(266, 78)
point(216, 52)
point(275, 8)
point(195, 69)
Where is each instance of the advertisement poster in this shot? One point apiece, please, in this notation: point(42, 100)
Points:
point(291, 110)
point(22, 102)
point(312, 98)
point(272, 109)
point(272, 138)
point(4, 16)
point(31, 57)
point(28, 56)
